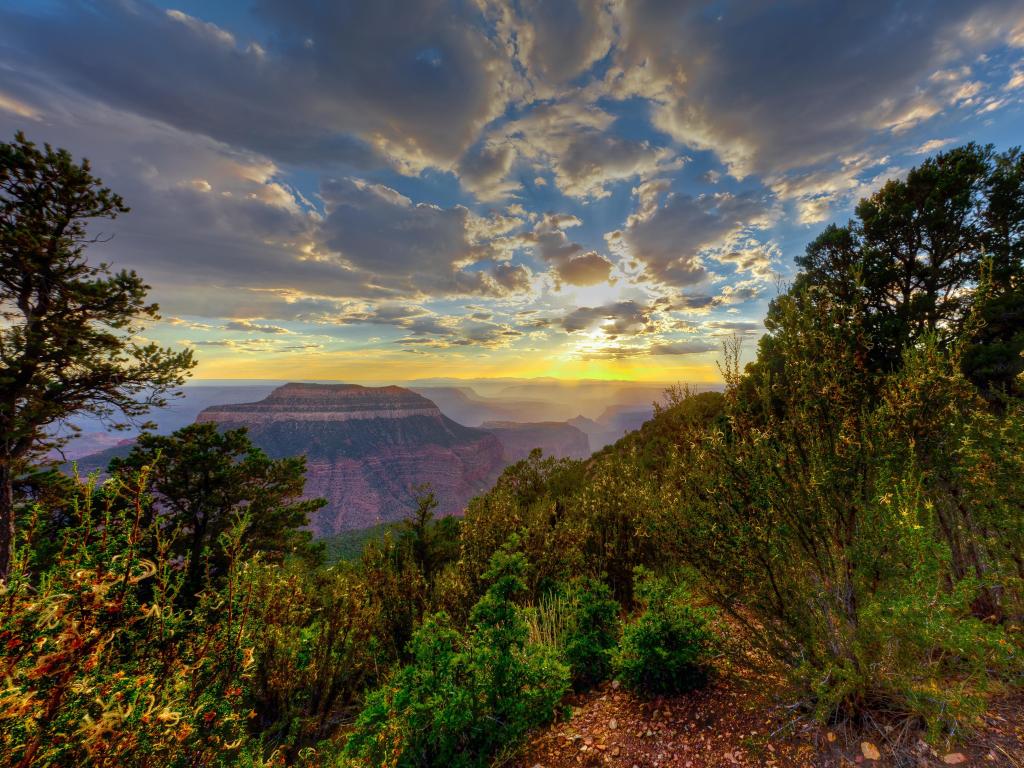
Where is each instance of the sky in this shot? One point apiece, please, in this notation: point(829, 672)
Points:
point(403, 189)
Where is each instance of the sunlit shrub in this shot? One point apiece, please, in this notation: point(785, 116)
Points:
point(98, 665)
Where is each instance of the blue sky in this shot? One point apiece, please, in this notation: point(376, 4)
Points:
point(579, 188)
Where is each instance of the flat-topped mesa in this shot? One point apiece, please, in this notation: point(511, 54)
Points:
point(367, 449)
point(325, 402)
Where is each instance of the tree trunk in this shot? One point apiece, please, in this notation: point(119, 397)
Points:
point(6, 520)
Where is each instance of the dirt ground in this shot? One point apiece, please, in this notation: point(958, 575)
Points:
point(736, 722)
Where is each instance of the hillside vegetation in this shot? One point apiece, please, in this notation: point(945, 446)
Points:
point(847, 515)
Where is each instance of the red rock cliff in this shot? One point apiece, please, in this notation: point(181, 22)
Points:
point(367, 448)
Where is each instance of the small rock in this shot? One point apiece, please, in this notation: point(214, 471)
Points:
point(613, 724)
point(954, 758)
point(616, 751)
point(869, 750)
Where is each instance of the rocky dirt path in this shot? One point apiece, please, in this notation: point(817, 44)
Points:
point(734, 723)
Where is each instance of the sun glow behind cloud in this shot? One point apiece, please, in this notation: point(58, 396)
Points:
point(393, 190)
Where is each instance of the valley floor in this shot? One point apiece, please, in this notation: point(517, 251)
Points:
point(736, 722)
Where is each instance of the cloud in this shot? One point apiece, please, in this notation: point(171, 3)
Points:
point(556, 40)
point(728, 327)
point(774, 87)
point(332, 164)
point(816, 192)
point(255, 346)
point(620, 318)
point(577, 142)
point(670, 240)
point(484, 171)
point(219, 232)
point(251, 327)
point(933, 145)
point(591, 161)
point(589, 269)
point(689, 347)
point(336, 83)
point(570, 262)
point(727, 295)
point(393, 246)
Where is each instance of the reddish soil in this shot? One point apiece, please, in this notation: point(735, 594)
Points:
point(736, 722)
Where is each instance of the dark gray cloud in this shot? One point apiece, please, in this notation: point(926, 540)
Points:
point(577, 141)
point(689, 347)
point(337, 82)
point(485, 169)
point(775, 86)
point(620, 318)
point(727, 327)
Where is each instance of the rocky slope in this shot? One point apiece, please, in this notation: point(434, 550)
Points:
point(555, 438)
point(367, 448)
point(747, 721)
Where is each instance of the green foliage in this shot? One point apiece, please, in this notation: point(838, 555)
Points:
point(201, 479)
point(573, 518)
point(857, 532)
point(589, 629)
point(668, 648)
point(431, 544)
point(914, 254)
point(347, 546)
point(654, 444)
point(465, 697)
point(68, 337)
point(101, 669)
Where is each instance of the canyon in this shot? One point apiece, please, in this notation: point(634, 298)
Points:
point(369, 449)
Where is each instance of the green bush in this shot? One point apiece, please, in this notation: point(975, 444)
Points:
point(466, 697)
point(669, 647)
point(581, 621)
